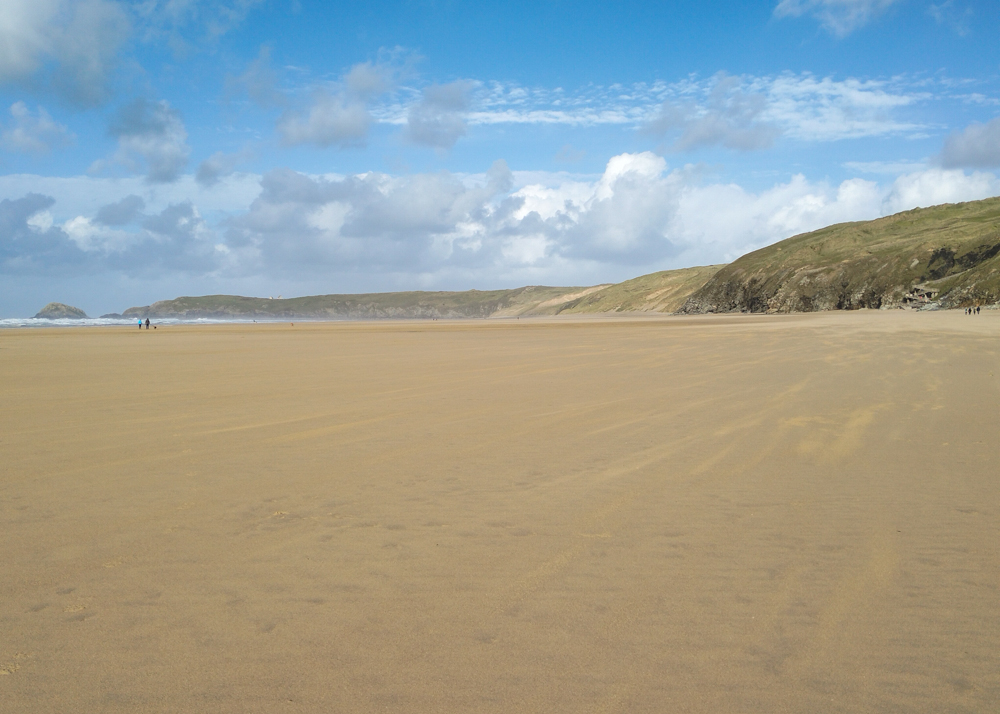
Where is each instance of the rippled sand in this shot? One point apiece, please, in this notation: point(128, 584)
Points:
point(720, 514)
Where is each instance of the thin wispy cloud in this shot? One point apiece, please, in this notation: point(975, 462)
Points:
point(33, 132)
point(839, 17)
point(738, 112)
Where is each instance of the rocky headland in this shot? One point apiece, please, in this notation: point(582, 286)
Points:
point(941, 257)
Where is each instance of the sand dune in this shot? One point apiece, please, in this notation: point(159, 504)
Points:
point(667, 514)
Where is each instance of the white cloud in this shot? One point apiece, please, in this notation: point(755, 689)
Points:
point(219, 165)
point(839, 17)
point(32, 133)
point(330, 120)
point(73, 46)
point(121, 213)
point(935, 186)
point(151, 133)
point(366, 80)
point(77, 40)
point(438, 230)
point(723, 221)
point(638, 216)
point(438, 119)
point(338, 114)
point(976, 146)
point(30, 244)
point(175, 240)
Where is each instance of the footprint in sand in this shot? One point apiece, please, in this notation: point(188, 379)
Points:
point(8, 668)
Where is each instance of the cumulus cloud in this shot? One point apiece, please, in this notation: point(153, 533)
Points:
point(438, 119)
point(153, 134)
point(29, 243)
point(935, 186)
point(374, 220)
point(839, 17)
point(639, 215)
point(439, 222)
point(36, 133)
point(121, 212)
point(218, 166)
point(74, 46)
point(366, 80)
point(331, 120)
point(175, 240)
point(976, 146)
point(71, 45)
point(338, 115)
point(450, 230)
point(731, 117)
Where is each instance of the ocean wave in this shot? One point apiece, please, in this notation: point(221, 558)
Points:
point(109, 321)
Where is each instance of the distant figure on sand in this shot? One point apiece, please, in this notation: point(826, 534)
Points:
point(147, 323)
point(140, 323)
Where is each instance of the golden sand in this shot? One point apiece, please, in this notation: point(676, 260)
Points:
point(721, 514)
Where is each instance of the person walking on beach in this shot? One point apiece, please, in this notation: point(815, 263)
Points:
point(140, 323)
point(147, 323)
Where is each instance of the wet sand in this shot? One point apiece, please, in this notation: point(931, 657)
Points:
point(719, 514)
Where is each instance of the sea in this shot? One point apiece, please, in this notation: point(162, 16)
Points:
point(108, 321)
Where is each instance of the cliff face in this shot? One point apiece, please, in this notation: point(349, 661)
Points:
point(945, 256)
point(59, 311)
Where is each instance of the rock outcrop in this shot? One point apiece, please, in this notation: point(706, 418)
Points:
point(59, 311)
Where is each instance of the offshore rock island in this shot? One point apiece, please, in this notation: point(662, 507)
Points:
point(59, 311)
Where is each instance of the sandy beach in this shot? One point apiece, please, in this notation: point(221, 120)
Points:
point(667, 514)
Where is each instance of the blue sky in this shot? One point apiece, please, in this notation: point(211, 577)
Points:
point(156, 148)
